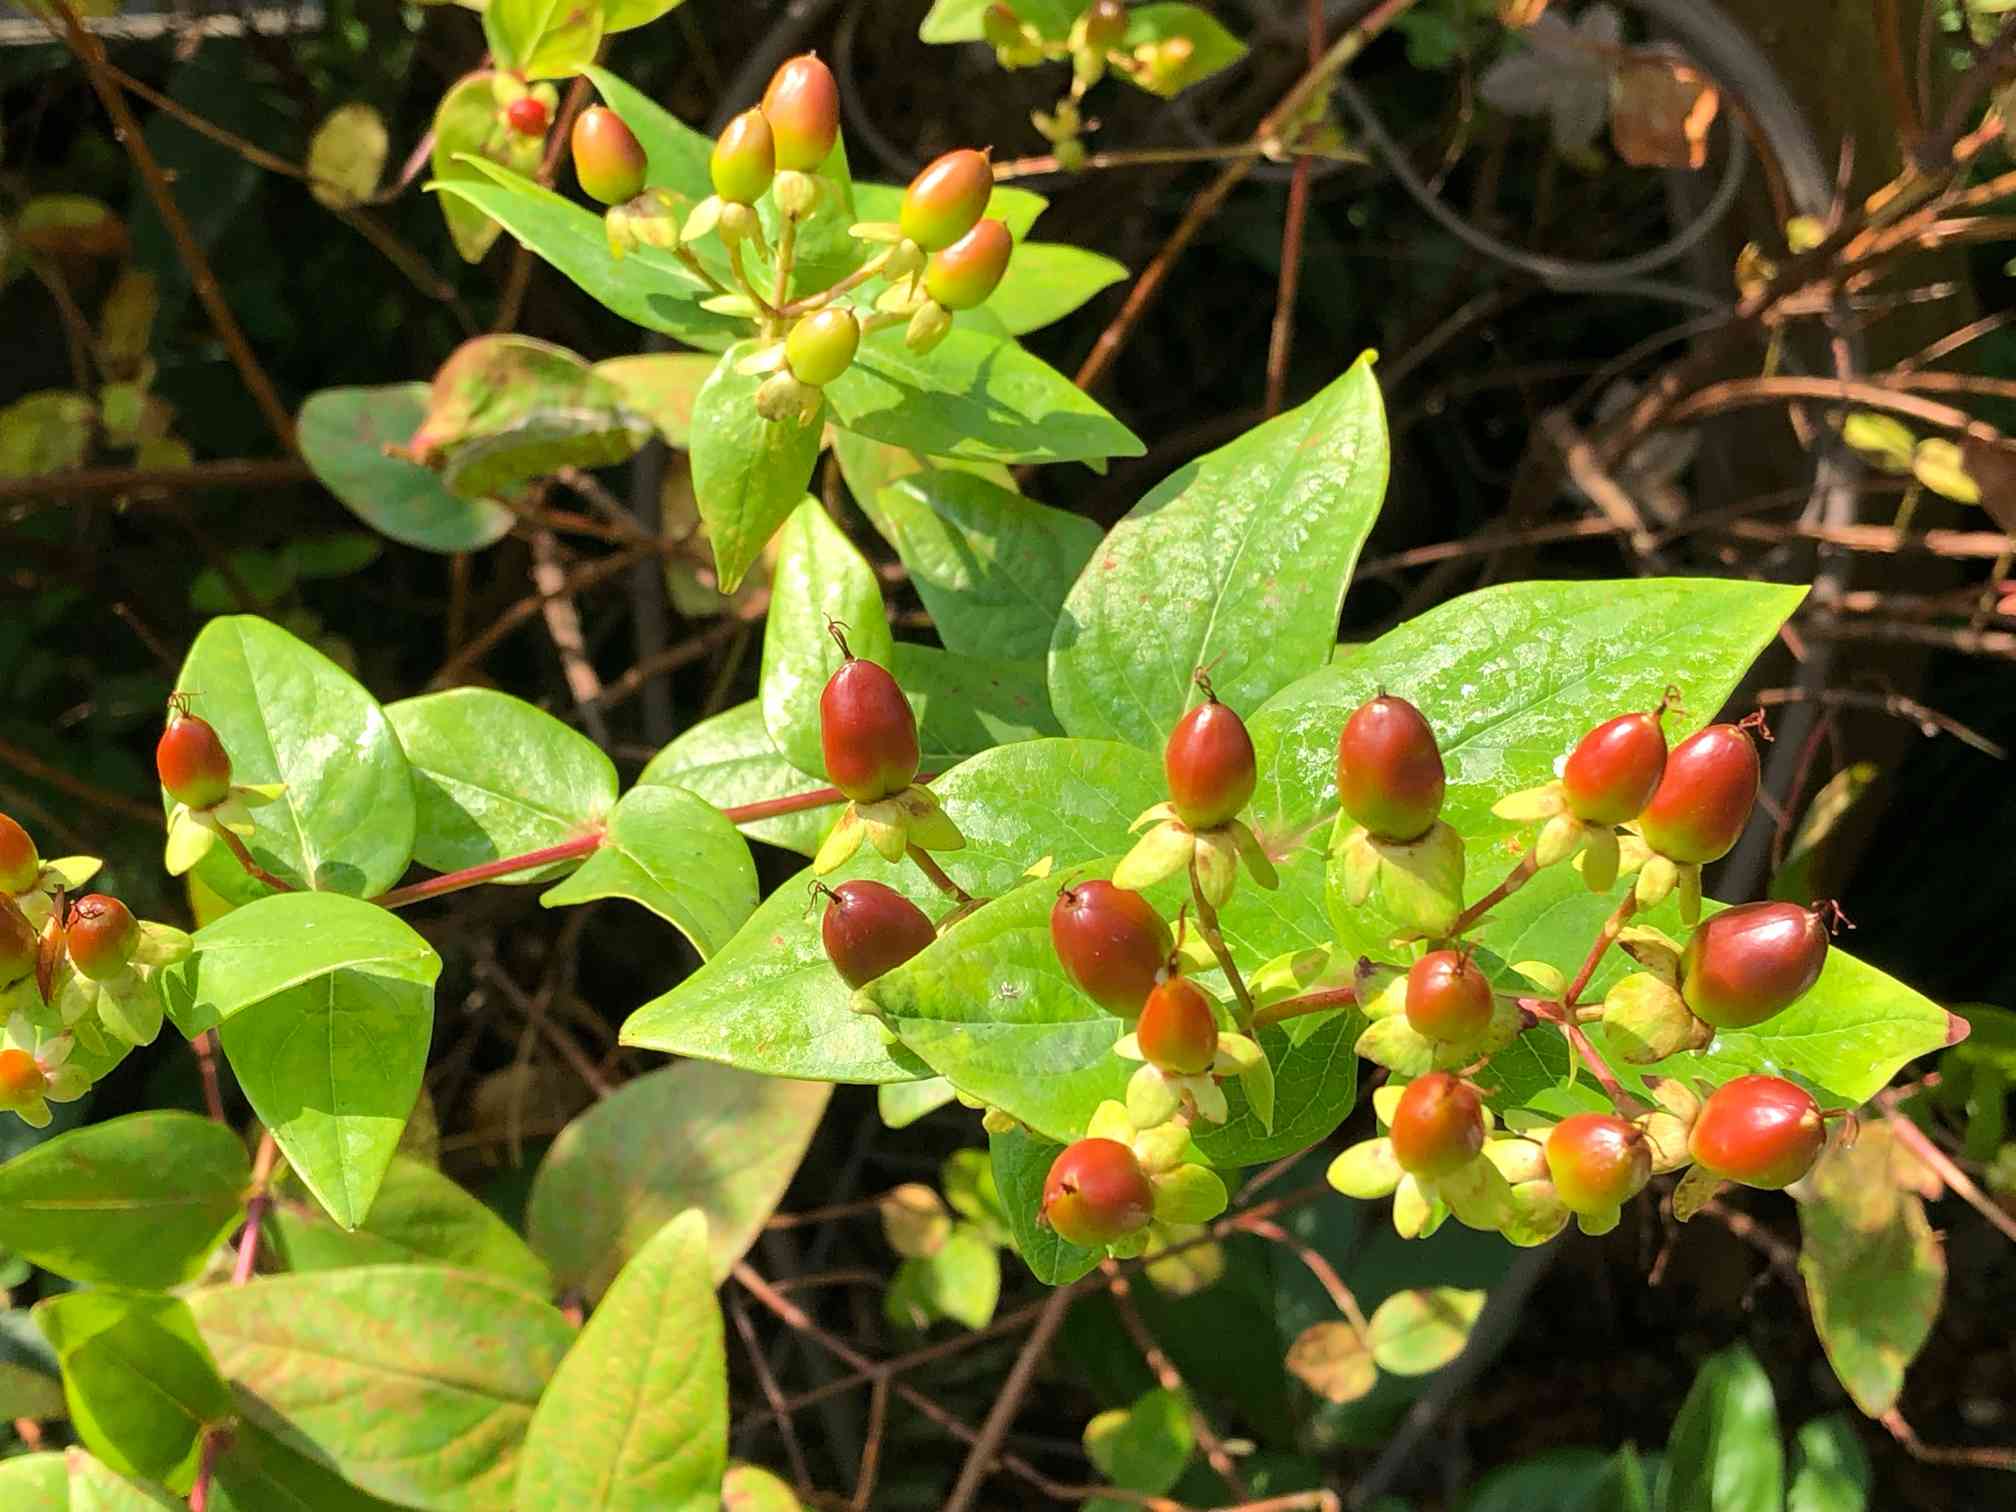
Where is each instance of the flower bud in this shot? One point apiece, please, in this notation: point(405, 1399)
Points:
point(1110, 942)
point(1748, 964)
point(1390, 776)
point(1448, 997)
point(1758, 1131)
point(802, 106)
point(782, 397)
point(869, 930)
point(821, 346)
point(103, 935)
point(191, 761)
point(1438, 1126)
point(1096, 1193)
point(608, 159)
point(19, 863)
point(1178, 1033)
point(947, 199)
point(744, 160)
point(797, 194)
point(1646, 1021)
point(967, 273)
point(1705, 796)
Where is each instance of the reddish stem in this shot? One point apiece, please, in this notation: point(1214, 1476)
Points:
point(253, 869)
point(1599, 1068)
point(214, 1439)
point(490, 871)
point(1309, 1002)
point(792, 803)
point(1517, 878)
point(940, 878)
point(1605, 937)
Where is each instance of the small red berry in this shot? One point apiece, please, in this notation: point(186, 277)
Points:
point(191, 761)
point(965, 274)
point(947, 199)
point(1448, 997)
point(19, 863)
point(1748, 963)
point(18, 946)
point(867, 731)
point(103, 935)
point(1111, 943)
point(1758, 1131)
point(870, 930)
point(20, 1077)
point(1438, 1127)
point(1598, 1162)
point(822, 346)
point(1178, 1033)
point(608, 159)
point(527, 115)
point(745, 159)
point(1208, 762)
point(1096, 1193)
point(1705, 797)
point(802, 106)
point(1390, 776)
point(1615, 769)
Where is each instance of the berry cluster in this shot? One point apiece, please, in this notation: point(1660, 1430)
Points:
point(1095, 46)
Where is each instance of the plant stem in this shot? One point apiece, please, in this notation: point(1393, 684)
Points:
point(847, 285)
point(927, 864)
point(742, 279)
point(253, 869)
point(256, 1204)
point(686, 255)
point(787, 258)
point(1309, 1002)
point(1551, 1013)
point(1517, 878)
point(1207, 921)
point(490, 871)
point(1605, 937)
point(1142, 157)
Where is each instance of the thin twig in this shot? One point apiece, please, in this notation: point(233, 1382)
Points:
point(1008, 1402)
point(1170, 1379)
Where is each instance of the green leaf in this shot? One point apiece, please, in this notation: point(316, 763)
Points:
point(730, 760)
point(1415, 1332)
point(901, 1104)
point(494, 777)
point(1724, 1454)
point(1145, 1446)
point(662, 385)
point(35, 1483)
point(692, 1135)
point(673, 853)
point(1833, 1473)
point(137, 1201)
point(466, 124)
point(991, 566)
point(749, 473)
point(624, 15)
point(960, 1280)
point(543, 39)
point(140, 1383)
point(819, 579)
point(420, 1216)
point(1214, 48)
point(1565, 1480)
point(969, 704)
point(96, 1488)
point(258, 1472)
point(1022, 1162)
point(1238, 561)
point(636, 1417)
point(977, 396)
point(750, 1488)
point(344, 433)
point(1315, 1086)
point(413, 1382)
point(1046, 281)
point(345, 821)
point(959, 20)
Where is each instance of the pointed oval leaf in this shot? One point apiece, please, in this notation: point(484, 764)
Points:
point(344, 433)
point(258, 1472)
point(1415, 1332)
point(749, 473)
point(1724, 1451)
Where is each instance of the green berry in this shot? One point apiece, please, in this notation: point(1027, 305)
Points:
point(745, 159)
point(608, 159)
point(966, 274)
point(1096, 1193)
point(947, 199)
point(1390, 776)
point(821, 346)
point(802, 106)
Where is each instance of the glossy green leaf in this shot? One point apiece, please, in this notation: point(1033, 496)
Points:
point(692, 1135)
point(750, 1488)
point(343, 434)
point(140, 1383)
point(1724, 1454)
point(414, 1382)
point(1315, 1087)
point(662, 385)
point(749, 473)
point(1022, 1162)
point(467, 124)
point(136, 1201)
point(959, 20)
point(1213, 48)
point(1238, 561)
point(1415, 1332)
point(96, 1488)
point(731, 759)
point(543, 39)
point(991, 566)
point(819, 579)
point(259, 1472)
point(623, 15)
point(1833, 1468)
point(901, 1104)
point(345, 821)
point(1046, 281)
point(969, 704)
point(420, 1217)
point(976, 396)
point(674, 854)
point(493, 777)
point(636, 1417)
point(35, 1483)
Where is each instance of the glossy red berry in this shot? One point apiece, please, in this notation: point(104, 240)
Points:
point(870, 930)
point(18, 944)
point(20, 1077)
point(1758, 1131)
point(867, 731)
point(965, 274)
point(1705, 797)
point(1448, 997)
point(608, 159)
point(822, 346)
point(1096, 1193)
point(1614, 770)
point(191, 761)
point(745, 159)
point(1748, 963)
point(19, 863)
point(1598, 1162)
point(947, 199)
point(802, 106)
point(1208, 761)
point(103, 935)
point(527, 115)
point(1390, 776)
point(1438, 1126)
point(1178, 1033)
point(1111, 943)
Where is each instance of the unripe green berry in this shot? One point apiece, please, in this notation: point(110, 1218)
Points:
point(1758, 1131)
point(20, 1078)
point(17, 946)
point(102, 935)
point(1209, 765)
point(1178, 1033)
point(1438, 1126)
point(191, 761)
point(869, 930)
point(1096, 1193)
point(1598, 1162)
point(966, 274)
point(1614, 770)
point(1110, 942)
point(867, 731)
point(19, 863)
point(1705, 797)
point(821, 346)
point(1448, 997)
point(1750, 963)
point(1390, 776)
point(947, 199)
point(802, 106)
point(745, 159)
point(608, 159)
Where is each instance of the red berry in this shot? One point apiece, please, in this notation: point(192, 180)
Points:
point(1448, 997)
point(103, 935)
point(867, 731)
point(1096, 1193)
point(20, 1077)
point(1614, 771)
point(745, 159)
point(1390, 776)
point(1758, 1131)
point(1105, 24)
point(802, 106)
point(966, 273)
point(1208, 762)
point(527, 115)
point(191, 761)
point(1746, 964)
point(1598, 1162)
point(1111, 943)
point(947, 199)
point(19, 863)
point(870, 930)
point(1178, 1032)
point(608, 159)
point(18, 944)
point(1438, 1127)
point(1705, 797)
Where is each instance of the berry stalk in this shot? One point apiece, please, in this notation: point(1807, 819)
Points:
point(490, 871)
point(1207, 922)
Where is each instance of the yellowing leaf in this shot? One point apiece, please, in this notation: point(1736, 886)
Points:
point(346, 155)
